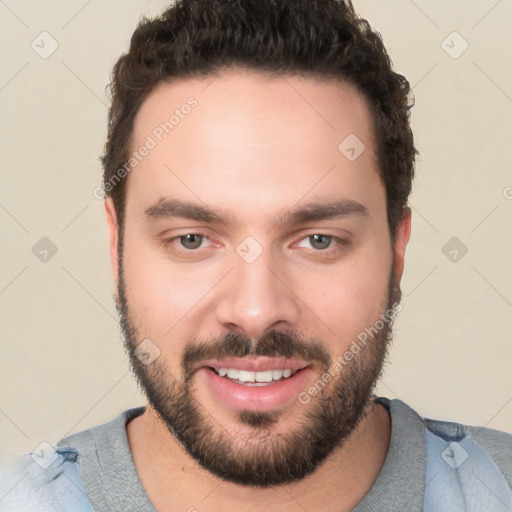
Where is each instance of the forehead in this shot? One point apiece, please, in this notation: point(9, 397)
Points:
point(245, 108)
point(253, 136)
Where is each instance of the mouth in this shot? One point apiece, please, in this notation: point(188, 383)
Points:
point(248, 378)
point(259, 384)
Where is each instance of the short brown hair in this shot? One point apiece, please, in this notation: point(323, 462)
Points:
point(323, 38)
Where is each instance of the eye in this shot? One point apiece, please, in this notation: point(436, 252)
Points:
point(188, 242)
point(191, 241)
point(321, 242)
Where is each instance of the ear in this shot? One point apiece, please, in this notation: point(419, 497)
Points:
point(403, 233)
point(113, 232)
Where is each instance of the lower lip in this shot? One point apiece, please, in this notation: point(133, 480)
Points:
point(254, 398)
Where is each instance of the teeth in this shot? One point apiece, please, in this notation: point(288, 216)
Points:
point(246, 376)
point(263, 376)
point(277, 374)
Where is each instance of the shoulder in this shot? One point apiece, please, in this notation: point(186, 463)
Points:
point(497, 445)
point(46, 480)
point(463, 467)
point(55, 478)
point(489, 444)
point(468, 468)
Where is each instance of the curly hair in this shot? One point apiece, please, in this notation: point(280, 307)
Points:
point(318, 38)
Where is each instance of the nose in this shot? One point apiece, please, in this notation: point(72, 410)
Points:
point(257, 297)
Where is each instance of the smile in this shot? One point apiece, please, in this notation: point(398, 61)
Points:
point(254, 378)
point(254, 384)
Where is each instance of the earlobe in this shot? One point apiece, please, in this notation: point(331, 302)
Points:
point(113, 232)
point(403, 233)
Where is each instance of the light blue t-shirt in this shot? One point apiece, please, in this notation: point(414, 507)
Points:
point(431, 466)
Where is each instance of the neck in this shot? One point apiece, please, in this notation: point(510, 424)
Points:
point(173, 480)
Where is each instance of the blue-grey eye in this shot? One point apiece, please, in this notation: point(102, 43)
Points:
point(319, 241)
point(191, 241)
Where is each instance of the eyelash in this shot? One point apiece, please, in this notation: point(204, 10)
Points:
point(339, 243)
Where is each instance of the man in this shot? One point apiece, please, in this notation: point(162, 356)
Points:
point(257, 169)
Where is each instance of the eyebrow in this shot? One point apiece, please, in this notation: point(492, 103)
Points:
point(310, 212)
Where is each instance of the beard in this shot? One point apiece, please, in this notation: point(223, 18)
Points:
point(257, 455)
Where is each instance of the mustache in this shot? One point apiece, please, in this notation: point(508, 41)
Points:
point(286, 344)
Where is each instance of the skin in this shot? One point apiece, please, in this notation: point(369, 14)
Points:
point(255, 146)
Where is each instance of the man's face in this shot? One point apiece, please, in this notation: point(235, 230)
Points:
point(258, 290)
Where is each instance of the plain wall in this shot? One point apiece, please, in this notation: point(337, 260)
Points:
point(63, 368)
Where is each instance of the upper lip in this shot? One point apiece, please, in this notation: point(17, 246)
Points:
point(258, 364)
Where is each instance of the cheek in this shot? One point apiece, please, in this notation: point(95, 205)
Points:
point(160, 301)
point(348, 297)
point(151, 293)
point(163, 296)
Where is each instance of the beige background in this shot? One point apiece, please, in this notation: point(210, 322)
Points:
point(63, 368)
